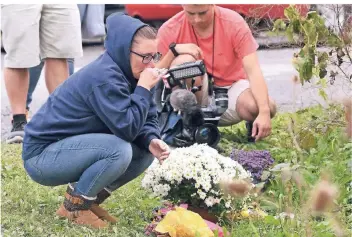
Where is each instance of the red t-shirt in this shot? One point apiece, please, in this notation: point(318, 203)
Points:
point(233, 41)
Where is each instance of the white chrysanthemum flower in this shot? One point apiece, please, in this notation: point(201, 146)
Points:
point(210, 201)
point(200, 168)
point(217, 200)
point(201, 194)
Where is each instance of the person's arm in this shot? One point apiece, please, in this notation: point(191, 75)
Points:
point(245, 47)
point(166, 60)
point(164, 39)
point(150, 129)
point(123, 113)
point(257, 83)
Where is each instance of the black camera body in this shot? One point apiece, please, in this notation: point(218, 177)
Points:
point(199, 123)
point(218, 104)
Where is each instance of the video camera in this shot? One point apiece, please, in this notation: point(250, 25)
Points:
point(207, 132)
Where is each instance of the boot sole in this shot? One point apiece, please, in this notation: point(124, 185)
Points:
point(64, 215)
point(103, 214)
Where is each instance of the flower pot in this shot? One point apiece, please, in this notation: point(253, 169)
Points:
point(204, 213)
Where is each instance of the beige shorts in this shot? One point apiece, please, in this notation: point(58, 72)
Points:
point(230, 116)
point(31, 32)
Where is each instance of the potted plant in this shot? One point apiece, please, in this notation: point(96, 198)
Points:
point(191, 175)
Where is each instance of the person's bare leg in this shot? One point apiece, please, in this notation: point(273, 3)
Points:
point(56, 72)
point(16, 83)
point(247, 108)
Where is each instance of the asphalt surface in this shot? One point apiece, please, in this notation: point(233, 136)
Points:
point(275, 64)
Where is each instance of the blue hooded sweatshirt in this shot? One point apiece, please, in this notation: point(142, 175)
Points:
point(102, 97)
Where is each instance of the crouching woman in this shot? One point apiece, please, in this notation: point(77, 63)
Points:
point(98, 130)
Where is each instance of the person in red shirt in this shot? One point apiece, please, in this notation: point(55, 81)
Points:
point(228, 48)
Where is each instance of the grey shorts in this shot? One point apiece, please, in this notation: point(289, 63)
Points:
point(31, 32)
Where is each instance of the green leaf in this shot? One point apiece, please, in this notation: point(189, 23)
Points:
point(322, 73)
point(271, 220)
point(289, 33)
point(297, 63)
point(310, 32)
point(322, 57)
point(279, 25)
point(334, 41)
point(312, 15)
point(311, 54)
point(323, 82)
point(306, 72)
point(291, 13)
point(296, 26)
point(323, 33)
point(323, 63)
point(323, 94)
point(319, 24)
point(302, 52)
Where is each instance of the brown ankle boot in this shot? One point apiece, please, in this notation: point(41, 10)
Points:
point(102, 213)
point(99, 211)
point(76, 209)
point(95, 208)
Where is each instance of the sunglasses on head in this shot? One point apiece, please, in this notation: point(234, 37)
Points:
point(148, 57)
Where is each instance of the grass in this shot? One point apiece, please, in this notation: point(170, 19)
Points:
point(314, 142)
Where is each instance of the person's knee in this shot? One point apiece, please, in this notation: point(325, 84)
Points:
point(252, 107)
point(246, 106)
point(56, 60)
point(123, 150)
point(120, 152)
point(185, 58)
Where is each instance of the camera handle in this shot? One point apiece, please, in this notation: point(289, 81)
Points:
point(210, 84)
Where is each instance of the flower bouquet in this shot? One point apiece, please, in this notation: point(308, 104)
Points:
point(192, 175)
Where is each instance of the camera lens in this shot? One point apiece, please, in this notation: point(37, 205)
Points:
point(207, 133)
point(221, 100)
point(204, 133)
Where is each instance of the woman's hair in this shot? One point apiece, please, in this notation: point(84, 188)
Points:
point(146, 32)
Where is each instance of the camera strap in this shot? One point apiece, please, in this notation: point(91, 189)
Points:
point(213, 56)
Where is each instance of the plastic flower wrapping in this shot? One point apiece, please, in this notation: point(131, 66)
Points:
point(192, 175)
point(183, 223)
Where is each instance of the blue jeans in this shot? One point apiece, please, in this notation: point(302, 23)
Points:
point(94, 161)
point(34, 75)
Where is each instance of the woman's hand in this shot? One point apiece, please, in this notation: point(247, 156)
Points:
point(150, 76)
point(159, 149)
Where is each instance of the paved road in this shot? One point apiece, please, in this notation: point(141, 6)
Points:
point(275, 64)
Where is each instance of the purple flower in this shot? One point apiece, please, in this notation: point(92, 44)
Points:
point(255, 161)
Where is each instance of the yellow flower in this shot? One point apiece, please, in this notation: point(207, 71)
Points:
point(245, 213)
point(250, 213)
